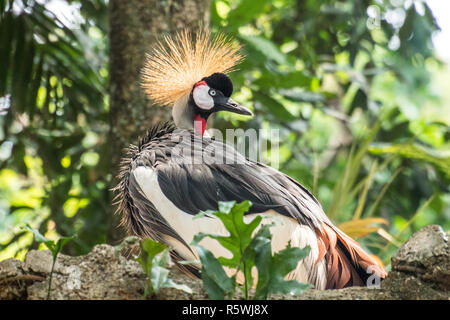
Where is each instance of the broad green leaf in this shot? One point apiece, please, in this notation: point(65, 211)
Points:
point(215, 292)
point(247, 252)
point(232, 216)
point(63, 240)
point(215, 279)
point(261, 244)
point(284, 262)
point(273, 269)
point(238, 241)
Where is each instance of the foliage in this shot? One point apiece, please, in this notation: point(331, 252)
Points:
point(155, 259)
point(351, 85)
point(53, 86)
point(273, 269)
point(247, 252)
point(54, 247)
point(439, 158)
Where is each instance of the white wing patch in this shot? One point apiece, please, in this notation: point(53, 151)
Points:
point(285, 229)
point(182, 222)
point(202, 98)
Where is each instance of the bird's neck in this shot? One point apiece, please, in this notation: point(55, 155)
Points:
point(185, 116)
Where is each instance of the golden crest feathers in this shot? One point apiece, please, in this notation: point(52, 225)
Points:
point(178, 62)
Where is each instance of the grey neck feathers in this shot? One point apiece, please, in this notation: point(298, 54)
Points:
point(183, 113)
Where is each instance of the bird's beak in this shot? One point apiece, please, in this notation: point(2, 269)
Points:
point(228, 104)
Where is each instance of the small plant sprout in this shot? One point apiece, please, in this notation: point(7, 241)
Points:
point(155, 259)
point(54, 246)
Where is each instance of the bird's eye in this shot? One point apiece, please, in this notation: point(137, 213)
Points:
point(212, 92)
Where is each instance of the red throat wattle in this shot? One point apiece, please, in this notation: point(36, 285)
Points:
point(199, 124)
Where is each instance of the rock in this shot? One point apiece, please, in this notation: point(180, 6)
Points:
point(353, 293)
point(101, 274)
point(10, 268)
point(420, 270)
point(10, 287)
point(426, 255)
point(408, 286)
point(39, 261)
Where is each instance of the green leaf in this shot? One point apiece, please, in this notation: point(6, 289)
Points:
point(273, 269)
point(149, 249)
point(439, 158)
point(225, 207)
point(245, 12)
point(38, 237)
point(159, 276)
point(155, 259)
point(273, 107)
point(266, 48)
point(215, 292)
point(171, 284)
point(247, 252)
point(232, 216)
point(284, 262)
point(62, 242)
point(261, 245)
point(54, 247)
point(215, 280)
point(152, 248)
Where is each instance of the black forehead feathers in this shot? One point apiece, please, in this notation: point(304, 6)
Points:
point(220, 81)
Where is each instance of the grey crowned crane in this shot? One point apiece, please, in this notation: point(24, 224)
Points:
point(161, 189)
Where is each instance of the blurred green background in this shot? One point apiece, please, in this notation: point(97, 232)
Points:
point(356, 88)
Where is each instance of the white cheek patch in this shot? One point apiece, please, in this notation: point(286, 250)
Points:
point(202, 98)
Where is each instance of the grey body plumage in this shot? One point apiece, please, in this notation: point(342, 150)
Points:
point(198, 187)
point(161, 185)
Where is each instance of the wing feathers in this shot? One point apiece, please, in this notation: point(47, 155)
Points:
point(347, 262)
